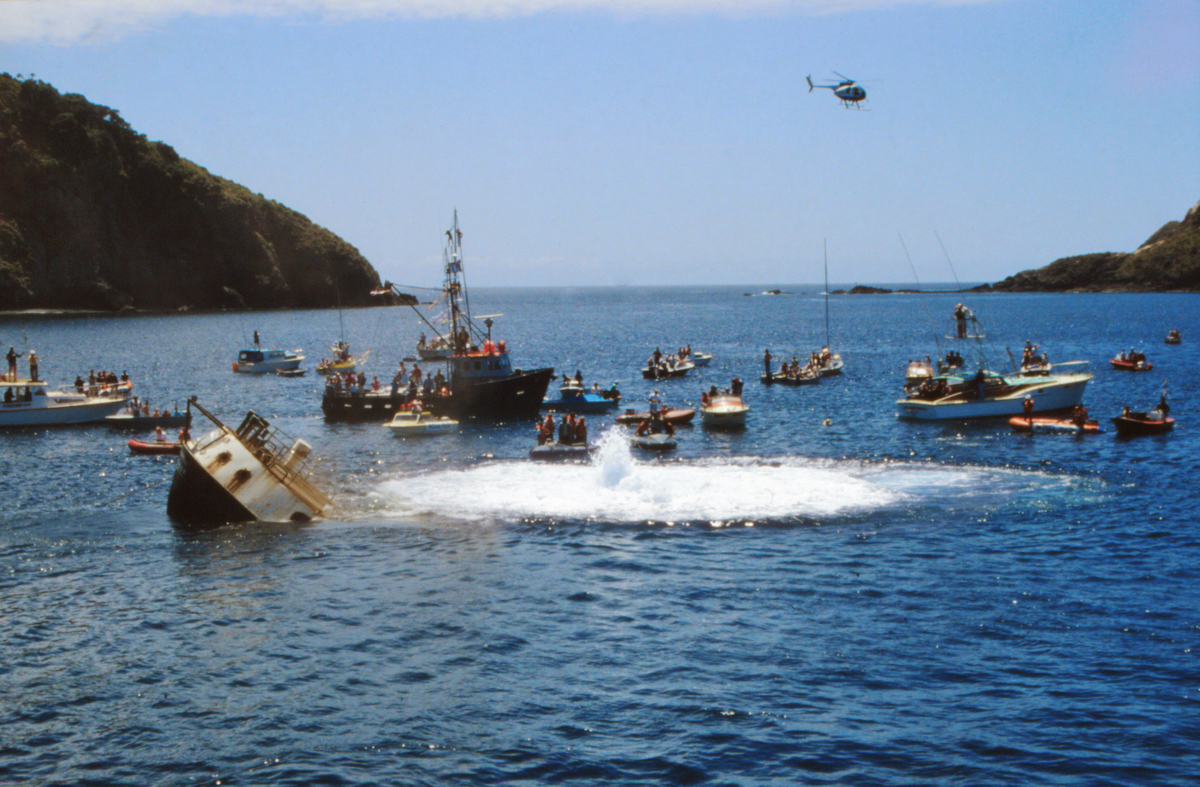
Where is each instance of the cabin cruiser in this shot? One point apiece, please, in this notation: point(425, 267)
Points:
point(263, 361)
point(32, 403)
point(574, 398)
point(989, 394)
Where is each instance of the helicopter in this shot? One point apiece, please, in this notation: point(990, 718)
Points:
point(848, 90)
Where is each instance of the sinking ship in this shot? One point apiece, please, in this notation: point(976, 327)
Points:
point(252, 473)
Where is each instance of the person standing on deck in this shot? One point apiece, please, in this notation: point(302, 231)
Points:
point(13, 355)
point(256, 340)
point(33, 366)
point(767, 362)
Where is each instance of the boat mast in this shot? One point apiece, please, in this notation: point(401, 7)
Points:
point(825, 245)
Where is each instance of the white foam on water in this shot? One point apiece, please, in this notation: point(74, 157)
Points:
point(619, 486)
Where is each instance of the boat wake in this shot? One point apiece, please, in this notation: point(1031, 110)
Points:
point(618, 487)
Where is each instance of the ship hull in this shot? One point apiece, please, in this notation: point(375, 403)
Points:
point(1054, 395)
point(516, 397)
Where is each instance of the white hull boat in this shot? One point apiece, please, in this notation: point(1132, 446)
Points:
point(266, 361)
point(724, 410)
point(424, 424)
point(1002, 397)
point(44, 407)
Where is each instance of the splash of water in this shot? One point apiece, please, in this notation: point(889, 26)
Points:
point(619, 487)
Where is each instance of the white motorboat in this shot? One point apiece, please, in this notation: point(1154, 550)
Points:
point(254, 472)
point(991, 396)
point(700, 359)
point(31, 403)
point(264, 361)
point(423, 424)
point(723, 410)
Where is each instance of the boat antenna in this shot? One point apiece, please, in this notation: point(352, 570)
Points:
point(825, 246)
point(906, 254)
point(951, 264)
point(341, 325)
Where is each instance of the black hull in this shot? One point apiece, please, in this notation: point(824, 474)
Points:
point(517, 397)
point(197, 499)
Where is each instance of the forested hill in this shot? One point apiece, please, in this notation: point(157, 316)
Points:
point(95, 216)
point(1169, 261)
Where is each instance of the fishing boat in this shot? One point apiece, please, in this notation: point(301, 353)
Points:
point(1042, 425)
point(252, 473)
point(560, 452)
point(1173, 337)
point(423, 424)
point(725, 410)
point(32, 403)
point(152, 447)
point(265, 361)
point(573, 398)
point(1131, 362)
point(481, 381)
point(672, 415)
point(990, 395)
point(1131, 424)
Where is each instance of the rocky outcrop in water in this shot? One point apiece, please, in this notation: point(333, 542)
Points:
point(95, 216)
point(1169, 261)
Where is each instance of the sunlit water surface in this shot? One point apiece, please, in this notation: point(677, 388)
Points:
point(863, 602)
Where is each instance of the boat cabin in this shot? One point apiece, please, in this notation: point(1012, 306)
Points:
point(258, 356)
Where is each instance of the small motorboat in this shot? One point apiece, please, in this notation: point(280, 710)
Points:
point(723, 411)
point(290, 372)
point(423, 424)
point(560, 452)
point(806, 376)
point(654, 442)
point(1131, 362)
point(1136, 424)
point(126, 419)
point(674, 416)
point(1173, 337)
point(572, 398)
point(152, 448)
point(919, 371)
point(700, 359)
point(667, 371)
point(1041, 425)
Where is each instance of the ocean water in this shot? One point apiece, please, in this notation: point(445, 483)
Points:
point(865, 602)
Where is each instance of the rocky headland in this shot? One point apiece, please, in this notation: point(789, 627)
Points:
point(95, 216)
point(1169, 261)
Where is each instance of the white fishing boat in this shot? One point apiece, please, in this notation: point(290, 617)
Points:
point(253, 472)
point(32, 403)
point(265, 361)
point(723, 410)
point(991, 396)
point(423, 424)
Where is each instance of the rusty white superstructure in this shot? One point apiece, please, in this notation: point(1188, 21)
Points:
point(253, 472)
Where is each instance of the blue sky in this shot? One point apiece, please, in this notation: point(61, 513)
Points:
point(663, 141)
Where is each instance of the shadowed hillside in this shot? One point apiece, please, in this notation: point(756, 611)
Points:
point(1168, 262)
point(95, 216)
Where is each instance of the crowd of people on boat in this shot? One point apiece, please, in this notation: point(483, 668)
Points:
point(571, 430)
point(1032, 360)
point(1131, 356)
point(659, 365)
point(102, 383)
